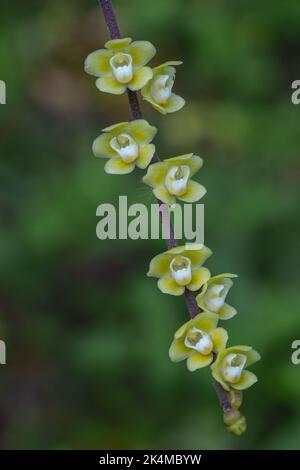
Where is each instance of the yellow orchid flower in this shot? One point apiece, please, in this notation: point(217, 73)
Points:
point(229, 367)
point(158, 90)
point(127, 145)
point(213, 294)
point(198, 340)
point(179, 268)
point(121, 65)
point(170, 179)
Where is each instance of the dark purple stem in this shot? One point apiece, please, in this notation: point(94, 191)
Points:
point(134, 104)
point(191, 303)
point(222, 397)
point(110, 19)
point(136, 113)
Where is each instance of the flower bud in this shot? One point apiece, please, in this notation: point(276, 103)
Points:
point(231, 416)
point(236, 398)
point(239, 427)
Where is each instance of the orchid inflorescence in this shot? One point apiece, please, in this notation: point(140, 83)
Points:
point(126, 145)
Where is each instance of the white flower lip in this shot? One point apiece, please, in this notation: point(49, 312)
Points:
point(181, 270)
point(199, 340)
point(161, 88)
point(176, 179)
point(121, 65)
point(233, 366)
point(215, 296)
point(126, 147)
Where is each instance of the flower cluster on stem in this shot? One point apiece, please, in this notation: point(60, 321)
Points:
point(122, 66)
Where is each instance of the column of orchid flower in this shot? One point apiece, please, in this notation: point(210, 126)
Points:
point(121, 66)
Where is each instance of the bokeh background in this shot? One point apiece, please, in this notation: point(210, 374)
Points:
point(87, 333)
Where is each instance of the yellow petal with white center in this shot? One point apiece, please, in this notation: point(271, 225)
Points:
point(161, 193)
point(146, 153)
point(101, 147)
point(159, 265)
point(117, 44)
point(198, 361)
point(110, 85)
point(97, 63)
point(199, 277)
point(116, 166)
point(247, 379)
point(168, 286)
point(141, 131)
point(219, 337)
point(194, 192)
point(140, 78)
point(178, 351)
point(155, 174)
point(116, 127)
point(205, 321)
point(198, 256)
point(141, 52)
point(174, 103)
point(226, 312)
point(252, 357)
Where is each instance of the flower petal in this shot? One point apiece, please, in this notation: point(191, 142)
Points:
point(101, 147)
point(237, 349)
point(182, 329)
point(174, 103)
point(178, 351)
point(161, 193)
point(222, 276)
point(217, 376)
point(140, 78)
point(141, 131)
point(155, 174)
point(116, 127)
point(219, 337)
point(252, 357)
point(141, 52)
point(110, 85)
point(195, 191)
point(247, 379)
point(159, 265)
point(180, 160)
point(169, 63)
point(197, 361)
point(117, 44)
point(195, 163)
point(156, 106)
point(97, 63)
point(146, 154)
point(199, 277)
point(116, 166)
point(226, 312)
point(198, 256)
point(176, 250)
point(205, 321)
point(168, 286)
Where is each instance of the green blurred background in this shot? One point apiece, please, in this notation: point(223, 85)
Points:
point(87, 333)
